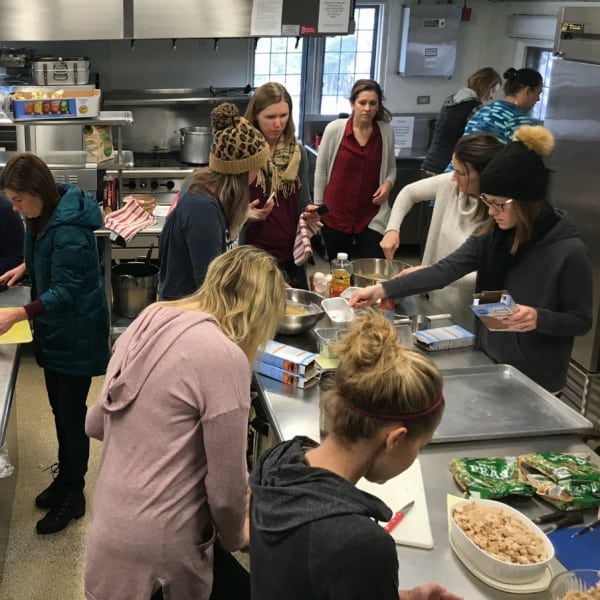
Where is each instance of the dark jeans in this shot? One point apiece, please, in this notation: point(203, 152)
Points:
point(67, 395)
point(356, 245)
point(230, 580)
point(294, 275)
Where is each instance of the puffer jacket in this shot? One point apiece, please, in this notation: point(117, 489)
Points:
point(449, 127)
point(71, 338)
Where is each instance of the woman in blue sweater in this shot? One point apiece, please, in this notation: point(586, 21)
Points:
point(522, 89)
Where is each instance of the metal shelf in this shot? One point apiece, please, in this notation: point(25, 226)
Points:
point(105, 117)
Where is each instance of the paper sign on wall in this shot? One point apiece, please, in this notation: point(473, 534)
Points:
point(403, 130)
point(333, 16)
point(266, 17)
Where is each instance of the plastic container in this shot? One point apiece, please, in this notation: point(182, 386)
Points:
point(326, 338)
point(338, 310)
point(577, 580)
point(341, 275)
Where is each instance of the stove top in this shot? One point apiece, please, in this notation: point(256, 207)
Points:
point(160, 160)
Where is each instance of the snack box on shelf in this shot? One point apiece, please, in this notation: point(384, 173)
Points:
point(72, 104)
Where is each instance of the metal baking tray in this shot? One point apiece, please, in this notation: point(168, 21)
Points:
point(499, 402)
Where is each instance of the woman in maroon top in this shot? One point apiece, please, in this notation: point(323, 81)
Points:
point(355, 172)
point(273, 224)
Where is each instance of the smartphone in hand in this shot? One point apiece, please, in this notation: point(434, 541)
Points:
point(270, 201)
point(323, 209)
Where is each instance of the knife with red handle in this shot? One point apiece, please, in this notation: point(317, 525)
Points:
point(398, 516)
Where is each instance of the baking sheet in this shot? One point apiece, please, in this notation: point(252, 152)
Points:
point(414, 529)
point(499, 402)
point(19, 333)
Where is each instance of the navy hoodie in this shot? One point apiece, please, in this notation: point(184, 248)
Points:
point(554, 276)
point(314, 535)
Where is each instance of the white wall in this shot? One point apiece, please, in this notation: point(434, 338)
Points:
point(482, 42)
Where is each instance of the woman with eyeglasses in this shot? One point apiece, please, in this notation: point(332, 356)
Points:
point(456, 212)
point(527, 248)
point(522, 89)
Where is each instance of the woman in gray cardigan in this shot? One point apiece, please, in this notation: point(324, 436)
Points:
point(355, 173)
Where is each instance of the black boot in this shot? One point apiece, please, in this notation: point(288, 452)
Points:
point(50, 495)
point(70, 505)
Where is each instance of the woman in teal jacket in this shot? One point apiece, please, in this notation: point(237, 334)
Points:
point(69, 314)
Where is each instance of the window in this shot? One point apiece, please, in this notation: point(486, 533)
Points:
point(324, 68)
point(280, 59)
point(347, 58)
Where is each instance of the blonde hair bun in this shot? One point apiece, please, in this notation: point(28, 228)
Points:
point(536, 138)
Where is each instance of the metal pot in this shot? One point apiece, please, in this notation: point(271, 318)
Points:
point(195, 144)
point(134, 286)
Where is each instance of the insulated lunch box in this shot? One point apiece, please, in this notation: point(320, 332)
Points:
point(52, 70)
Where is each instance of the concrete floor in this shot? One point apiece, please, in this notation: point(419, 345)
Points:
point(42, 567)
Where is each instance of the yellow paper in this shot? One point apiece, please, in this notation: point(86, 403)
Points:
point(19, 333)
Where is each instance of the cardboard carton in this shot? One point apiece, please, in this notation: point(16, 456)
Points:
point(286, 357)
point(444, 338)
point(491, 307)
point(300, 381)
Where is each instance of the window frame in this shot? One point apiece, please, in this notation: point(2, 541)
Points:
point(313, 58)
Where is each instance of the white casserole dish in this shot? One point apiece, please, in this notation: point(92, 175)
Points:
point(490, 566)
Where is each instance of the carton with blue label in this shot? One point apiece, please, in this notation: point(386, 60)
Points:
point(444, 338)
point(492, 307)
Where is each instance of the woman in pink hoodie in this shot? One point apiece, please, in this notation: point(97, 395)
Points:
point(173, 416)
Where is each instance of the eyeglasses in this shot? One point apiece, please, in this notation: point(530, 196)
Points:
point(499, 206)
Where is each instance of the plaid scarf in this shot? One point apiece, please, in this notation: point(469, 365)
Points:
point(282, 170)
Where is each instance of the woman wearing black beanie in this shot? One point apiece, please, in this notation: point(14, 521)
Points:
point(528, 248)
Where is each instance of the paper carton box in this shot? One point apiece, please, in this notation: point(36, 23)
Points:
point(310, 377)
point(490, 307)
point(444, 338)
point(286, 357)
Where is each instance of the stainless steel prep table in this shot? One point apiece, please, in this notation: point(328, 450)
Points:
point(9, 368)
point(293, 411)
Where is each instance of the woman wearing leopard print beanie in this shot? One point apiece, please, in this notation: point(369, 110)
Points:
point(212, 205)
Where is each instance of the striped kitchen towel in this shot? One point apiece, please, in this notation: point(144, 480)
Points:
point(302, 247)
point(128, 220)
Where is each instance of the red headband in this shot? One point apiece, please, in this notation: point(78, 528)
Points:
point(397, 416)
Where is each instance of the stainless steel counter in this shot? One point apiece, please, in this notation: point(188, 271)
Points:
point(440, 564)
point(9, 358)
point(547, 426)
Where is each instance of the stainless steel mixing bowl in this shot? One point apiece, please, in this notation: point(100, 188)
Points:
point(294, 324)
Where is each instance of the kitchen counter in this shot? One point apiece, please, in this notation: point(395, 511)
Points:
point(9, 358)
point(9, 368)
point(402, 153)
point(291, 411)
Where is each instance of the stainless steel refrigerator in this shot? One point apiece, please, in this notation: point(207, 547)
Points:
point(573, 116)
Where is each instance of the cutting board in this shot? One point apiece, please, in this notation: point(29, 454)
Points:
point(414, 529)
point(582, 552)
point(19, 333)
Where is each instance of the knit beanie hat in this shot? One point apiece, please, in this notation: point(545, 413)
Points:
point(518, 171)
point(237, 146)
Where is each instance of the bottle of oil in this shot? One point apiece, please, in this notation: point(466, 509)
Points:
point(341, 272)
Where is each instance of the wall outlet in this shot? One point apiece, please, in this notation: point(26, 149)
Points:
point(423, 99)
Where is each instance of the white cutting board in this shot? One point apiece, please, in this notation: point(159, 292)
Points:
point(414, 529)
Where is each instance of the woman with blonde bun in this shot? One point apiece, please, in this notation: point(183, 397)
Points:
point(173, 417)
point(527, 248)
point(384, 405)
